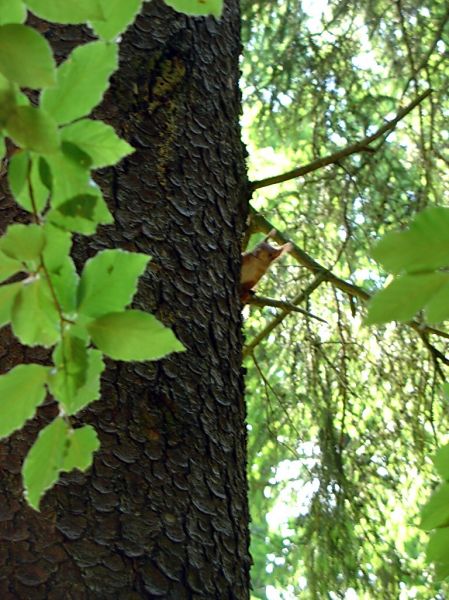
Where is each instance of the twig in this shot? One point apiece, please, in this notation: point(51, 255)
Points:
point(436, 355)
point(263, 301)
point(360, 146)
point(286, 311)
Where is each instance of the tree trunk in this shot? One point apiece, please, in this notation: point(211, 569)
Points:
point(163, 511)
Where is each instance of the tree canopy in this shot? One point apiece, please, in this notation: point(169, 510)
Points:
point(344, 417)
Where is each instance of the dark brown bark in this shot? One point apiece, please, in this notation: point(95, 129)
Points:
point(163, 512)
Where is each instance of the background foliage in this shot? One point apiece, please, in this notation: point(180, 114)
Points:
point(343, 418)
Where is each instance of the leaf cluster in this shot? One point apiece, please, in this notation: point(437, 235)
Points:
point(82, 316)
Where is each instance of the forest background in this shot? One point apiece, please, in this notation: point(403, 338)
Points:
point(344, 418)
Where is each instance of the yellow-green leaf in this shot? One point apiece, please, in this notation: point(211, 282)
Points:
point(26, 57)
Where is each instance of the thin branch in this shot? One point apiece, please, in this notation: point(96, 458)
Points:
point(263, 301)
point(360, 146)
point(319, 279)
point(354, 291)
point(435, 354)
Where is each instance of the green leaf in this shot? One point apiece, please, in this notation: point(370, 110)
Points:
point(60, 266)
point(70, 359)
point(65, 284)
point(81, 214)
point(67, 389)
point(22, 389)
point(32, 128)
point(67, 12)
point(44, 461)
point(8, 266)
point(68, 177)
point(404, 297)
point(436, 512)
point(441, 461)
point(76, 154)
point(34, 317)
point(441, 571)
point(109, 281)
point(26, 57)
point(437, 309)
point(21, 98)
point(438, 547)
point(7, 296)
point(197, 7)
point(8, 99)
point(23, 242)
point(12, 11)
point(57, 448)
point(45, 173)
point(81, 82)
point(118, 15)
point(57, 247)
point(133, 335)
point(98, 140)
point(70, 356)
point(83, 442)
point(423, 247)
point(18, 170)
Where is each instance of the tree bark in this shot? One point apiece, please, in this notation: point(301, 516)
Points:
point(163, 511)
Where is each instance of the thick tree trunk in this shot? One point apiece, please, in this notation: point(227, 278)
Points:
point(163, 512)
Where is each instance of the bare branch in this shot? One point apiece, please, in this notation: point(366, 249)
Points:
point(279, 318)
point(263, 301)
point(361, 146)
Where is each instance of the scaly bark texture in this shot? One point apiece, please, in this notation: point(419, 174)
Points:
point(163, 512)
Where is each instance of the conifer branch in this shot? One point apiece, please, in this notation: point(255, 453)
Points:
point(360, 146)
point(321, 275)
